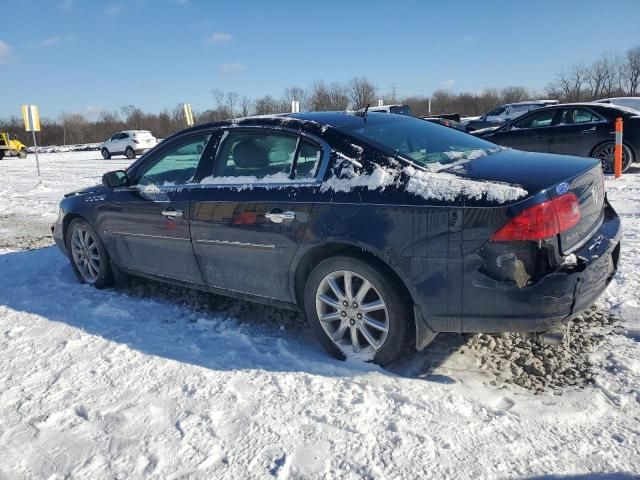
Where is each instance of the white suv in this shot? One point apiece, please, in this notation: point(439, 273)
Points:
point(128, 143)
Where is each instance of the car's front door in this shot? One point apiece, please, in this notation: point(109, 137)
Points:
point(250, 215)
point(146, 225)
point(576, 130)
point(530, 132)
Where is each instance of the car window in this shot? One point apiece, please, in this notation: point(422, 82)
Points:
point(517, 110)
point(247, 156)
point(536, 120)
point(420, 141)
point(569, 116)
point(497, 112)
point(124, 135)
point(115, 136)
point(177, 166)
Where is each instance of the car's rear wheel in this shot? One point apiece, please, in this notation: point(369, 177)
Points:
point(130, 153)
point(606, 154)
point(105, 154)
point(356, 311)
point(22, 153)
point(87, 254)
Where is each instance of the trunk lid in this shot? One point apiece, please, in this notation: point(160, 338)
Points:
point(557, 174)
point(533, 171)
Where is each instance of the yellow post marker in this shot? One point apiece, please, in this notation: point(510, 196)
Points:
point(617, 157)
point(188, 114)
point(32, 124)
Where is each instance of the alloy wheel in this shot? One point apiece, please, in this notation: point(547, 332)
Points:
point(352, 312)
point(606, 154)
point(85, 253)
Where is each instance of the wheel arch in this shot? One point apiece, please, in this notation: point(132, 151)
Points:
point(312, 257)
point(66, 221)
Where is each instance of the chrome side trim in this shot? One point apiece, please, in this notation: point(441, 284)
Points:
point(143, 235)
point(238, 244)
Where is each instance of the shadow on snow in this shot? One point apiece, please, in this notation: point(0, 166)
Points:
point(188, 326)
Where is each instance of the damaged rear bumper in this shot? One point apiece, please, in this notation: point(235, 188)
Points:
point(493, 306)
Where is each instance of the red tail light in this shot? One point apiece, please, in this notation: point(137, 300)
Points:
point(542, 220)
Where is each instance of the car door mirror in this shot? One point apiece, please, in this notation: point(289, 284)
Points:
point(117, 178)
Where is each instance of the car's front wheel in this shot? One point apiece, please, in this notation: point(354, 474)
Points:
point(22, 153)
point(606, 154)
point(105, 154)
point(130, 153)
point(356, 311)
point(87, 254)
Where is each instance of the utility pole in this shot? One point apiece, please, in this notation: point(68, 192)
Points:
point(394, 91)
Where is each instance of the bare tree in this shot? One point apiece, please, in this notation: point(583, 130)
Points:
point(296, 93)
point(266, 105)
point(232, 101)
point(514, 94)
point(631, 72)
point(361, 92)
point(570, 84)
point(246, 104)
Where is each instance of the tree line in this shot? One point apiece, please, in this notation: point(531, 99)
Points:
point(610, 76)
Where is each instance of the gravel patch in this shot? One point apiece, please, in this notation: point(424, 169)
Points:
point(519, 359)
point(18, 233)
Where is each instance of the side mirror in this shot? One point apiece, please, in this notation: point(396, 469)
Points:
point(117, 178)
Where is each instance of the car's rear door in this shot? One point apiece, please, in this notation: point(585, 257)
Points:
point(576, 131)
point(146, 225)
point(250, 215)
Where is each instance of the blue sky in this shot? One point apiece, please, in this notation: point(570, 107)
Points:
point(86, 55)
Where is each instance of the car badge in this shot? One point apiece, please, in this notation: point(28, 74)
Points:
point(562, 188)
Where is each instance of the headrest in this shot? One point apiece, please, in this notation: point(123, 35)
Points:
point(250, 154)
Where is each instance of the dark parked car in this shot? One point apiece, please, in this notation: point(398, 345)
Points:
point(384, 229)
point(584, 129)
point(505, 113)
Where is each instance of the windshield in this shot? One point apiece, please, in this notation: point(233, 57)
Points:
point(421, 141)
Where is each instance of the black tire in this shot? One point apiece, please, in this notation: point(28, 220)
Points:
point(105, 154)
point(104, 276)
point(130, 153)
point(397, 315)
point(1, 154)
point(22, 153)
point(604, 152)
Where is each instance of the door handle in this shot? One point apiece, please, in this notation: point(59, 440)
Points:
point(279, 217)
point(589, 130)
point(171, 213)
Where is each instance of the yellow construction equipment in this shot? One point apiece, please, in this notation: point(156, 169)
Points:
point(10, 146)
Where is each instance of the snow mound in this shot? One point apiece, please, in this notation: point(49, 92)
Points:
point(81, 147)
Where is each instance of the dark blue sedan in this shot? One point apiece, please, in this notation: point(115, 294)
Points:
point(384, 229)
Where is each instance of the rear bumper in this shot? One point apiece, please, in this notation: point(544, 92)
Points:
point(491, 306)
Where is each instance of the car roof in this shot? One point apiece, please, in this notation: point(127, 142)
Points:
point(348, 119)
point(534, 102)
point(611, 106)
point(605, 100)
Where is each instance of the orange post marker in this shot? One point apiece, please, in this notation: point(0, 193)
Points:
point(617, 157)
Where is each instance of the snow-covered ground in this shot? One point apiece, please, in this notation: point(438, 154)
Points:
point(160, 382)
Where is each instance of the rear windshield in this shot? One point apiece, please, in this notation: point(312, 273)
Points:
point(400, 109)
point(420, 141)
